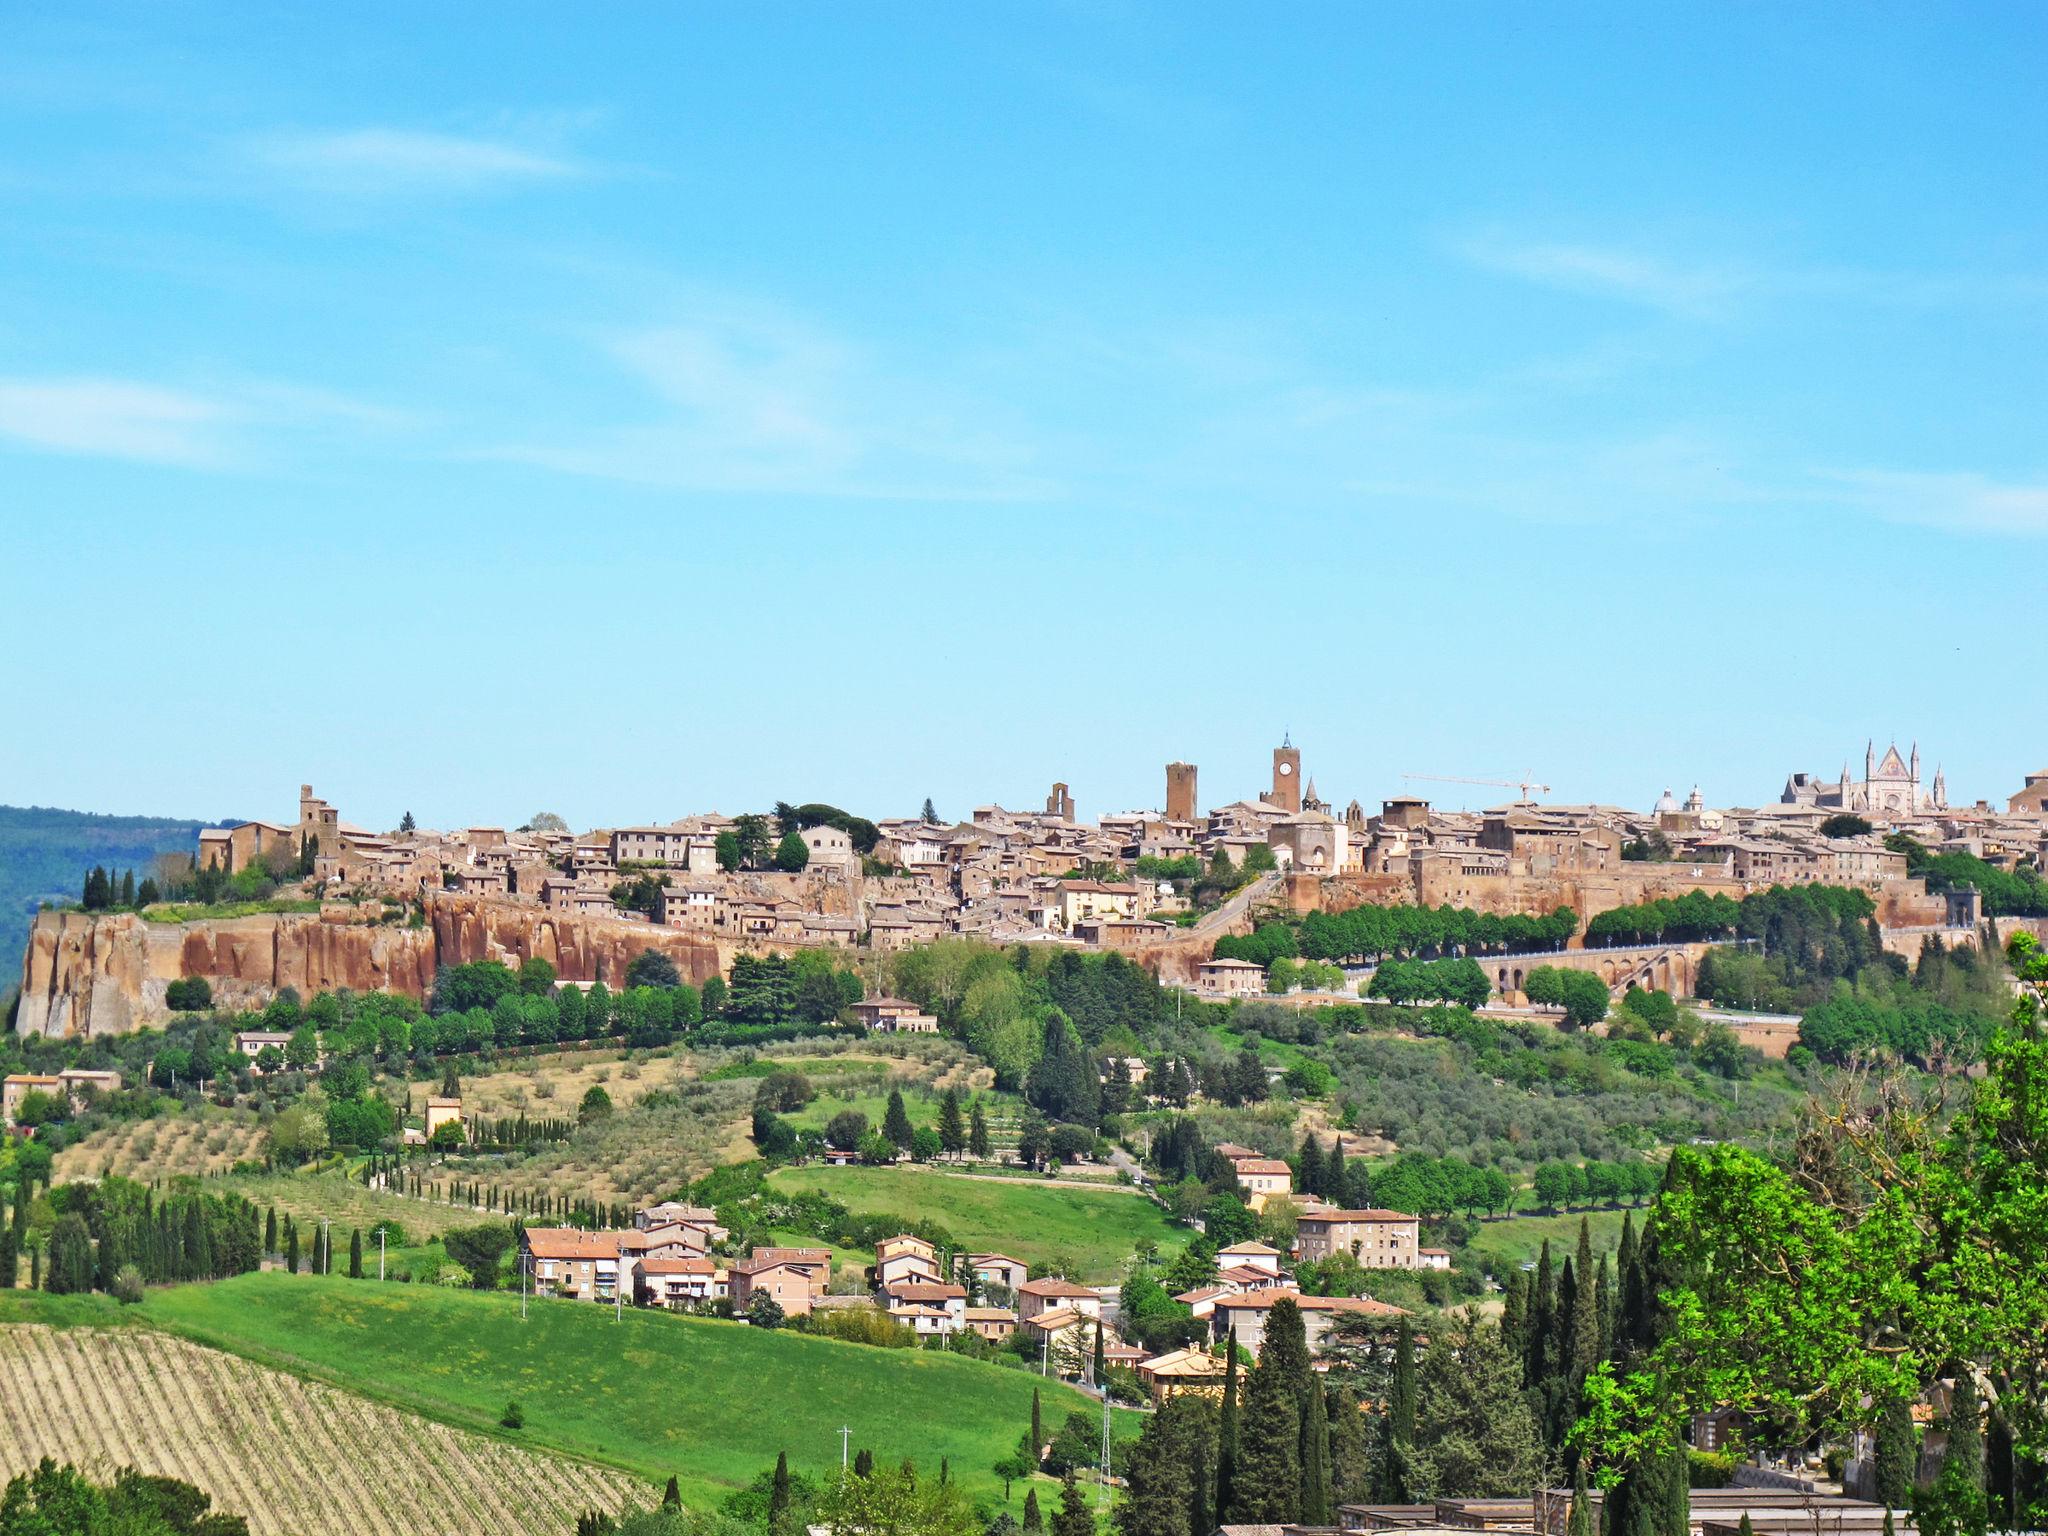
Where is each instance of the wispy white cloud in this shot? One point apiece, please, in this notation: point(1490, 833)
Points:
point(1716, 289)
point(1691, 289)
point(232, 426)
point(116, 419)
point(744, 398)
point(397, 160)
point(1962, 502)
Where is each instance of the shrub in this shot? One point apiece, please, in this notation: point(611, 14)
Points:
point(128, 1285)
point(514, 1417)
point(189, 994)
point(862, 1325)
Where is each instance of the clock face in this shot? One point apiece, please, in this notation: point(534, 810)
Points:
point(1286, 770)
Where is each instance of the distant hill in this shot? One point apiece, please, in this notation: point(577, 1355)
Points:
point(44, 854)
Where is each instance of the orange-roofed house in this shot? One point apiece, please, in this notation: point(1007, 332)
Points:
point(682, 1284)
point(1242, 1318)
point(793, 1277)
point(1053, 1293)
point(568, 1261)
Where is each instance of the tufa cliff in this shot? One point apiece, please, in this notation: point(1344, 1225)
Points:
point(106, 974)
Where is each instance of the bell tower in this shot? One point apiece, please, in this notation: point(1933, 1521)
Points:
point(1286, 791)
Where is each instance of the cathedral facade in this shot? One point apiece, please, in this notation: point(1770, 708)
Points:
point(1890, 786)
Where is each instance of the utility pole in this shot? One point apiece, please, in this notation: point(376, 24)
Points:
point(326, 1249)
point(619, 1284)
point(380, 1253)
point(1102, 1487)
point(845, 1439)
point(522, 1285)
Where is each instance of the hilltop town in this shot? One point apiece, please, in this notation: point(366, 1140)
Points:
point(1162, 886)
point(1176, 1114)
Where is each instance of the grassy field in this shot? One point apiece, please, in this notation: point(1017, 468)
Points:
point(1514, 1240)
point(202, 1144)
point(655, 1394)
point(1094, 1231)
point(292, 1456)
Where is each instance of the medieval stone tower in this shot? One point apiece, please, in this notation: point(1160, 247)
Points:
point(1287, 777)
point(1180, 791)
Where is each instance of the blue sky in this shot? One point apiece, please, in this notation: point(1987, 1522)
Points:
point(482, 412)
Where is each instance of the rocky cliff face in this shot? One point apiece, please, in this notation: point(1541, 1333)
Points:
point(87, 975)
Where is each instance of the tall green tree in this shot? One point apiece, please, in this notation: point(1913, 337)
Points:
point(1398, 1436)
point(1896, 1456)
point(1073, 1517)
point(778, 1496)
point(896, 1120)
point(1267, 1485)
point(1225, 1504)
point(1955, 1505)
point(977, 1131)
point(952, 1133)
point(1474, 1433)
point(1166, 1472)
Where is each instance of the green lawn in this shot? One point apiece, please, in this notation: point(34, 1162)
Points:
point(655, 1394)
point(1094, 1230)
point(1513, 1240)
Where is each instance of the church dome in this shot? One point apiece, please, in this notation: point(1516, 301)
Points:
point(1667, 805)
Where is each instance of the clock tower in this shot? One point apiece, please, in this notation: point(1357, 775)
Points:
point(1286, 791)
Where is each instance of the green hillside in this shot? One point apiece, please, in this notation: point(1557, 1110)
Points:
point(44, 854)
point(1091, 1231)
point(655, 1394)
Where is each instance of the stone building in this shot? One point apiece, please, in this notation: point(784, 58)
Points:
point(1890, 787)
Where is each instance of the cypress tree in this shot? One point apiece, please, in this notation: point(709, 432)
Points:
point(863, 1463)
point(1226, 1439)
point(10, 1258)
point(1073, 1518)
point(896, 1120)
point(1333, 1186)
point(1896, 1456)
point(1309, 1174)
point(1514, 1320)
point(1317, 1505)
point(1746, 1529)
point(778, 1496)
point(1037, 1428)
point(952, 1131)
point(1096, 1363)
point(977, 1131)
point(1400, 1422)
point(291, 1246)
point(355, 1253)
point(672, 1498)
point(270, 1231)
point(1034, 1523)
point(1542, 1319)
point(1268, 1477)
point(1581, 1523)
point(1585, 1340)
point(1603, 1307)
point(1955, 1505)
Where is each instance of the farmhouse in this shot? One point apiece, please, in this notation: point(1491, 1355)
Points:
point(1376, 1239)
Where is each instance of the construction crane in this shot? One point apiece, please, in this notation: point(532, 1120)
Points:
point(1524, 785)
